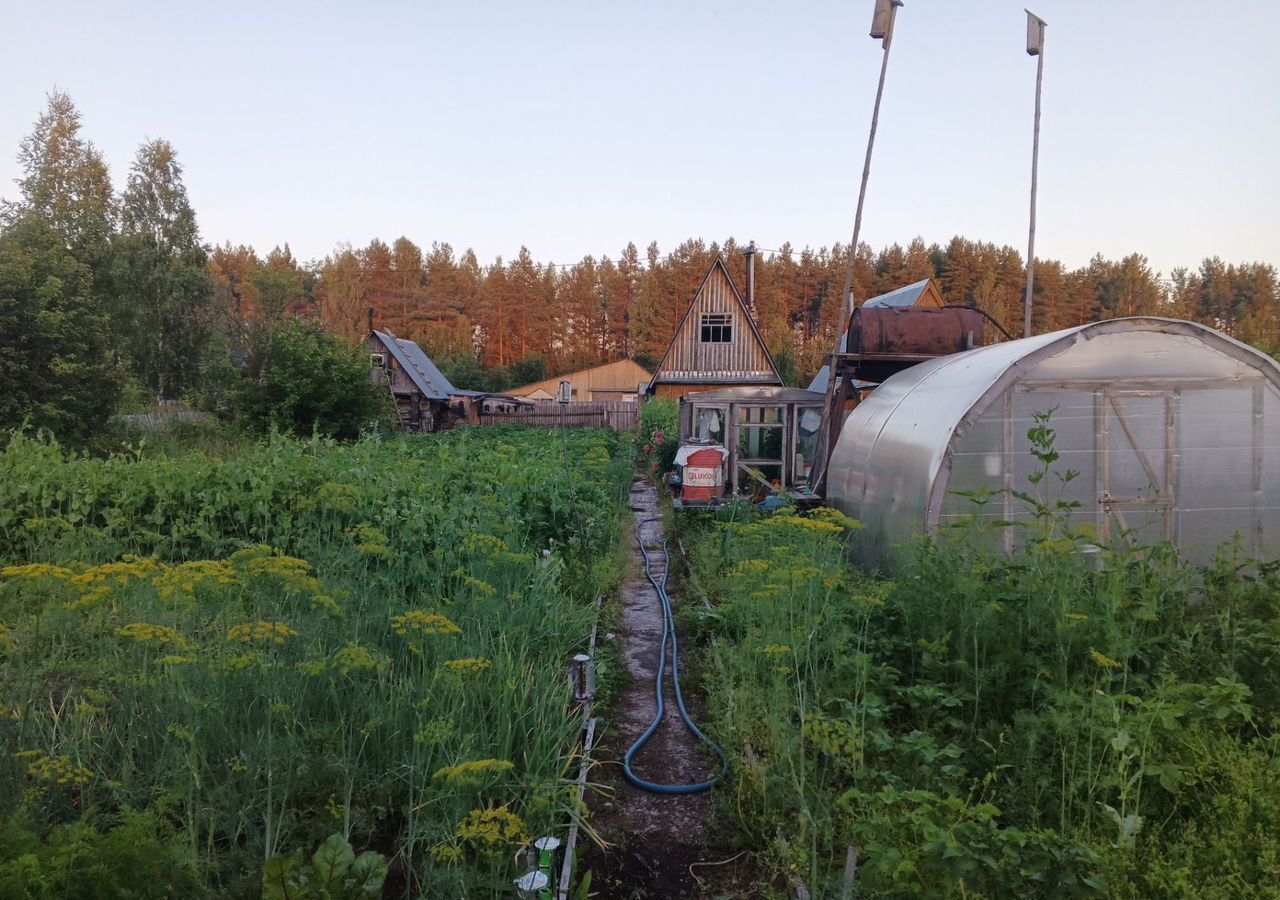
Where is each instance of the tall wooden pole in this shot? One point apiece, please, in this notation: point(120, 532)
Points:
point(866, 165)
point(1038, 45)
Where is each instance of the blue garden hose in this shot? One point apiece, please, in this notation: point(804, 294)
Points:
point(668, 631)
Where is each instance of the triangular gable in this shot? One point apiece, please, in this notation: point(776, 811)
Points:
point(754, 358)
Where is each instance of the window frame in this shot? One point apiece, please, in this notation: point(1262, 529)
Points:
point(715, 328)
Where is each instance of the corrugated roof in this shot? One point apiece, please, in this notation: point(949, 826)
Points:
point(419, 367)
point(903, 296)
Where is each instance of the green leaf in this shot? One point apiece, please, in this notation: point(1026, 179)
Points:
point(279, 879)
point(368, 873)
point(332, 862)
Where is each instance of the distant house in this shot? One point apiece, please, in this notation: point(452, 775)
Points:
point(717, 344)
point(421, 391)
point(922, 294)
point(612, 381)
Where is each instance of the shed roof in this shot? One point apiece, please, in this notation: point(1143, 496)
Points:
point(903, 296)
point(418, 366)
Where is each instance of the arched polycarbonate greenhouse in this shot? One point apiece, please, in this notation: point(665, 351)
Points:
point(1173, 428)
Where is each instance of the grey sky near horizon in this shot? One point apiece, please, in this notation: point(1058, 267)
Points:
point(573, 128)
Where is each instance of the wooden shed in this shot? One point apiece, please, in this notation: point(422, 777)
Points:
point(421, 391)
point(717, 344)
point(612, 381)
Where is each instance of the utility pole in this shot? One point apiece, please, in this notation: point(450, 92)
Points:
point(1035, 47)
point(881, 27)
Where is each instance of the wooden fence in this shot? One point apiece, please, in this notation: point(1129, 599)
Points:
point(620, 415)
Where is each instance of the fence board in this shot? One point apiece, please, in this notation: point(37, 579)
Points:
point(620, 415)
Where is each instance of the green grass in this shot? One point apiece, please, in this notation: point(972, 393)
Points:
point(305, 638)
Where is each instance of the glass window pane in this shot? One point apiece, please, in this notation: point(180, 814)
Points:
point(760, 415)
point(708, 424)
point(760, 442)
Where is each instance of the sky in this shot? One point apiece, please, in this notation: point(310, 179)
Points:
point(575, 127)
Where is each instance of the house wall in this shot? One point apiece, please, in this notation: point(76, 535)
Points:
point(698, 365)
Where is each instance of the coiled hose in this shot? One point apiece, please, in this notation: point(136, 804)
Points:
point(668, 632)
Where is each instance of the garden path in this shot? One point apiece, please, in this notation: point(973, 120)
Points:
point(661, 845)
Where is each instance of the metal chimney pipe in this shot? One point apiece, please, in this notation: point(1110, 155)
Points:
point(750, 254)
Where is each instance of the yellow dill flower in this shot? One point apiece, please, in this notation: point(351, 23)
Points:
point(483, 544)
point(446, 855)
point(473, 769)
point(421, 622)
point(295, 576)
point(261, 632)
point(483, 587)
point(1105, 661)
point(492, 829)
point(775, 649)
point(59, 770)
point(129, 568)
point(830, 736)
point(244, 660)
point(473, 665)
point(834, 516)
point(338, 497)
point(177, 660)
point(39, 570)
point(145, 633)
point(180, 582)
point(90, 598)
point(1077, 617)
point(355, 658)
point(749, 568)
point(370, 541)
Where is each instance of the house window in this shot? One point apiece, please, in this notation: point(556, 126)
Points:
point(377, 360)
point(717, 328)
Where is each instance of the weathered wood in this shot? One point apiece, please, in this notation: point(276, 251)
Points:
point(620, 415)
point(691, 363)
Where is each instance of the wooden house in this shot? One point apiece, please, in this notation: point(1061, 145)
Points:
point(612, 381)
point(421, 391)
point(717, 344)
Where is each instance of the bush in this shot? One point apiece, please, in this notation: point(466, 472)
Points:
point(659, 432)
point(307, 380)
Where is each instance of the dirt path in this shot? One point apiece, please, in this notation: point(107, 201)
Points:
point(655, 838)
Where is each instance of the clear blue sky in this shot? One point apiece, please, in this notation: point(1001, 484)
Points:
point(574, 127)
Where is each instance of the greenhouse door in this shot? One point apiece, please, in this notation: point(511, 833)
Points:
point(1136, 484)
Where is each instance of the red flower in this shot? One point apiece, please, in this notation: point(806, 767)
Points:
point(658, 439)
point(647, 449)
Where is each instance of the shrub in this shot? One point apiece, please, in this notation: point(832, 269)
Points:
point(304, 380)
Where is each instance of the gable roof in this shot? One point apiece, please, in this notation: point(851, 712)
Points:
point(418, 366)
point(717, 265)
point(911, 295)
point(622, 375)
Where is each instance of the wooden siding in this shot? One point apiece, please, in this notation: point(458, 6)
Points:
point(608, 380)
point(744, 360)
point(620, 415)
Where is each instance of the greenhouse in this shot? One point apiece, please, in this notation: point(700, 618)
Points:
point(1172, 429)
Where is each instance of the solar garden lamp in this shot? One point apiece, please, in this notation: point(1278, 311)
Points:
point(533, 885)
point(582, 674)
point(546, 847)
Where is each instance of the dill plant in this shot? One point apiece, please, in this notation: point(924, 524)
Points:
point(1074, 719)
point(302, 639)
